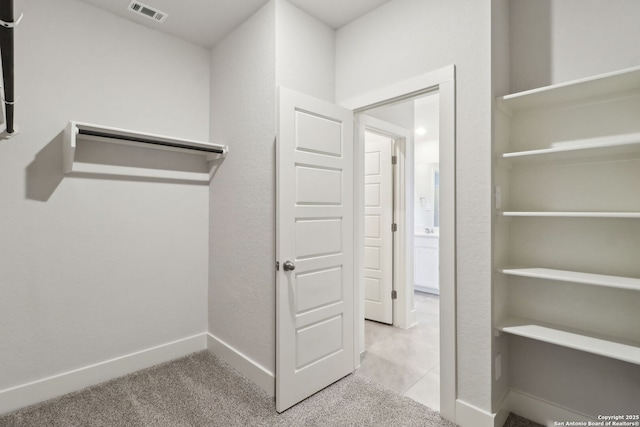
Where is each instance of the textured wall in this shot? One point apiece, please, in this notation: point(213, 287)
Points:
point(242, 203)
point(93, 268)
point(279, 45)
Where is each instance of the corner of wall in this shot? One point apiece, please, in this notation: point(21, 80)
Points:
point(468, 415)
point(242, 192)
point(260, 376)
point(305, 52)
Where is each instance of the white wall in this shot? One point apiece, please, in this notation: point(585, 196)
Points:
point(405, 38)
point(247, 66)
point(554, 41)
point(97, 267)
point(242, 198)
point(305, 49)
point(500, 84)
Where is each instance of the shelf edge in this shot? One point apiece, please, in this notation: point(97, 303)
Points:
point(193, 146)
point(551, 214)
point(579, 146)
point(619, 282)
point(510, 99)
point(614, 348)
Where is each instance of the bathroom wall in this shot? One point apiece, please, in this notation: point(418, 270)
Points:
point(427, 158)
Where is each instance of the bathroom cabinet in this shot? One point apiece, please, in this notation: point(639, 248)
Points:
point(426, 263)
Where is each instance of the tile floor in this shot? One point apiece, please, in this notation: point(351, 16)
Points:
point(407, 360)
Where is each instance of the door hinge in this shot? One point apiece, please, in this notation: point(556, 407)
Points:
point(394, 227)
point(394, 294)
point(277, 265)
point(394, 160)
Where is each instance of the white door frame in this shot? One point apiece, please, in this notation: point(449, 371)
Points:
point(403, 315)
point(442, 80)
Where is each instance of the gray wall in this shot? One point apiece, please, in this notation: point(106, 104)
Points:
point(96, 267)
point(500, 84)
point(242, 206)
point(279, 45)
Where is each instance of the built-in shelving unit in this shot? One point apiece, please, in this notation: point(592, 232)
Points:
point(587, 189)
point(625, 350)
point(77, 132)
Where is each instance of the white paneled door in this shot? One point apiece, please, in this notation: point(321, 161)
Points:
point(315, 283)
point(378, 237)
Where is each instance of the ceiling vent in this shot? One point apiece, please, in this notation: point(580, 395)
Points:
point(148, 11)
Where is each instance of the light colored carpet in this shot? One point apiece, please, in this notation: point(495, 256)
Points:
point(200, 390)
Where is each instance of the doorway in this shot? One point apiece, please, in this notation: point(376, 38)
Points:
point(443, 82)
point(404, 357)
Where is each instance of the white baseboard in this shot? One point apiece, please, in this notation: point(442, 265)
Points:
point(540, 410)
point(413, 318)
point(468, 415)
point(47, 388)
point(262, 377)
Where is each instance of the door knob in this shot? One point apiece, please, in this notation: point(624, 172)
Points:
point(288, 266)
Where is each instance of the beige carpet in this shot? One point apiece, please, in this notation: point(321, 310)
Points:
point(200, 390)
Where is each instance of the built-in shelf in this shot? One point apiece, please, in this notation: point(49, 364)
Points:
point(576, 277)
point(573, 214)
point(581, 149)
point(76, 132)
point(576, 90)
point(615, 348)
point(553, 144)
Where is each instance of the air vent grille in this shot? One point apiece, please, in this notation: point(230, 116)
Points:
point(147, 11)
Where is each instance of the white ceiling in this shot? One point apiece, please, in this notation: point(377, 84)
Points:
point(205, 22)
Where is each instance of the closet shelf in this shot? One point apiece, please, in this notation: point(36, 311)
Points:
point(573, 214)
point(604, 84)
point(576, 277)
point(76, 132)
point(580, 149)
point(615, 348)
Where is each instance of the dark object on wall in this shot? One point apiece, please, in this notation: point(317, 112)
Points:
point(7, 26)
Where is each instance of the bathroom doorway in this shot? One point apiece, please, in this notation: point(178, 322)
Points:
point(402, 350)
